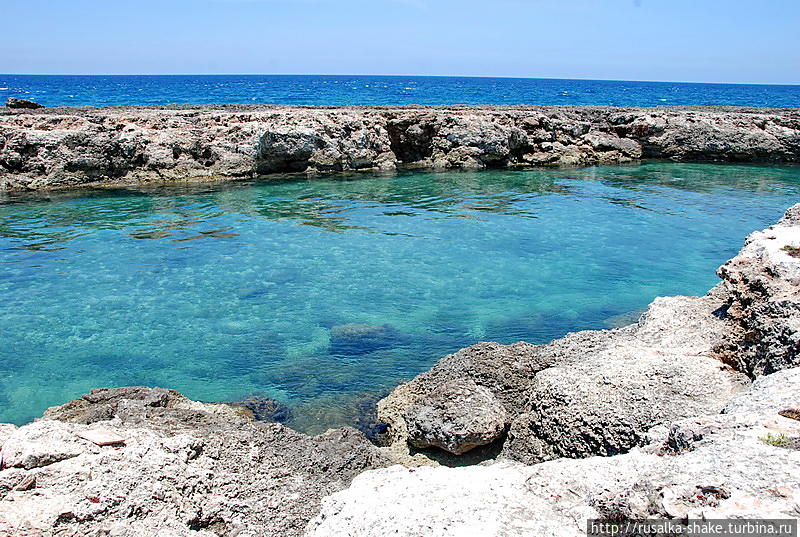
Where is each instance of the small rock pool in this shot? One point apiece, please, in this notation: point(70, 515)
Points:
point(323, 294)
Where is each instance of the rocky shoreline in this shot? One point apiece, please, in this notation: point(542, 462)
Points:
point(692, 411)
point(67, 147)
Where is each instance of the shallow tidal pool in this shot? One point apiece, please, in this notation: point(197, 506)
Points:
point(323, 294)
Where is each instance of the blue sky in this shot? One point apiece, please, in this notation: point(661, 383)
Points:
point(674, 40)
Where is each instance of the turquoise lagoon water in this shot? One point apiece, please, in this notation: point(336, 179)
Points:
point(220, 291)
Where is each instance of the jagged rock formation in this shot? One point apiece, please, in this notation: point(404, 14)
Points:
point(714, 466)
point(590, 393)
point(59, 147)
point(184, 469)
point(763, 284)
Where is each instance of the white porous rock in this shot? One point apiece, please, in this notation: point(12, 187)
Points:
point(713, 466)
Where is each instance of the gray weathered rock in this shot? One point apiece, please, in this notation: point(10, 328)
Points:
point(714, 466)
point(604, 402)
point(604, 406)
point(771, 393)
point(763, 282)
point(185, 468)
point(457, 417)
point(589, 393)
point(506, 370)
point(60, 147)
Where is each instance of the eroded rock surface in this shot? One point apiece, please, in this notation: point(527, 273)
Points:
point(770, 394)
point(185, 468)
point(58, 147)
point(714, 466)
point(590, 393)
point(457, 417)
point(763, 283)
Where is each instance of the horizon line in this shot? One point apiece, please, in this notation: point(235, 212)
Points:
point(414, 76)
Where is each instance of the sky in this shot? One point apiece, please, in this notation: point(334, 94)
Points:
point(735, 41)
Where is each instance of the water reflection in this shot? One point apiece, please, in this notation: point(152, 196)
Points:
point(176, 212)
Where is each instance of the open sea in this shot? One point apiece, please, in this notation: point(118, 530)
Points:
point(330, 90)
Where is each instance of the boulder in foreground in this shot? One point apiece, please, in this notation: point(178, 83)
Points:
point(457, 417)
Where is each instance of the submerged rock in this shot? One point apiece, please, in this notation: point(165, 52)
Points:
point(355, 339)
point(365, 418)
point(264, 408)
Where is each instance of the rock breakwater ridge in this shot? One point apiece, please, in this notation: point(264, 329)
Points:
point(66, 147)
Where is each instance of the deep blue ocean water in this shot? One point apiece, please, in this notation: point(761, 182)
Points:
point(321, 293)
point(379, 90)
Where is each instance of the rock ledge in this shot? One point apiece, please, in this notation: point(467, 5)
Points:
point(63, 147)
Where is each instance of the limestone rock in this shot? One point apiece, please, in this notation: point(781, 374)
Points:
point(763, 282)
point(185, 468)
point(41, 444)
point(725, 471)
point(6, 430)
point(604, 406)
point(770, 393)
point(506, 370)
point(62, 147)
point(101, 436)
point(457, 417)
